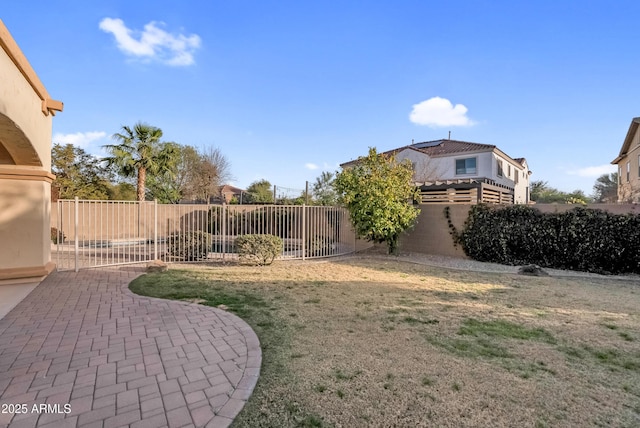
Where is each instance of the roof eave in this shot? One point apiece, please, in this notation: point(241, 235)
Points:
point(9, 45)
point(628, 139)
point(388, 152)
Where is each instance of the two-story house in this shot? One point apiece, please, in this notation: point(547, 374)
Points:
point(628, 162)
point(449, 171)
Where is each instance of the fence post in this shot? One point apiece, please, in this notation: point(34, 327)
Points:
point(75, 234)
point(304, 231)
point(355, 236)
point(223, 230)
point(155, 229)
point(58, 233)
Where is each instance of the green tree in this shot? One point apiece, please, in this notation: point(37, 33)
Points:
point(163, 186)
point(299, 200)
point(542, 193)
point(323, 191)
point(378, 194)
point(78, 174)
point(577, 197)
point(605, 190)
point(197, 175)
point(259, 192)
point(122, 192)
point(140, 152)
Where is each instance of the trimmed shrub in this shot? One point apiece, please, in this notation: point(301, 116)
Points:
point(258, 249)
point(580, 239)
point(190, 246)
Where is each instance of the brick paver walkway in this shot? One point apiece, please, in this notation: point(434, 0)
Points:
point(110, 358)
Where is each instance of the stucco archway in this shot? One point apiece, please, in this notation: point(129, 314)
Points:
point(15, 147)
point(26, 112)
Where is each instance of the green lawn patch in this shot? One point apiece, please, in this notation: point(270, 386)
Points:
point(505, 329)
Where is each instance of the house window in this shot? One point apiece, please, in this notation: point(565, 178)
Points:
point(508, 170)
point(619, 174)
point(516, 176)
point(500, 169)
point(628, 170)
point(466, 166)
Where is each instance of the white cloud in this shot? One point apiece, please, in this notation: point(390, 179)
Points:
point(79, 139)
point(153, 43)
point(594, 171)
point(327, 167)
point(311, 166)
point(437, 112)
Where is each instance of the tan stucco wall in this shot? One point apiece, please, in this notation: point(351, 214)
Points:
point(431, 232)
point(629, 190)
point(24, 242)
point(25, 165)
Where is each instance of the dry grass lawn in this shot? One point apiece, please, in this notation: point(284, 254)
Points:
point(371, 342)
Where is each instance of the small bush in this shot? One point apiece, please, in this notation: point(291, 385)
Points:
point(57, 236)
point(190, 246)
point(258, 249)
point(580, 239)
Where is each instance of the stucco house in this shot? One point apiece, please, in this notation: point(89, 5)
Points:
point(26, 112)
point(628, 162)
point(450, 171)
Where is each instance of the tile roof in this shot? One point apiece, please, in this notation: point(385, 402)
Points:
point(446, 147)
point(230, 188)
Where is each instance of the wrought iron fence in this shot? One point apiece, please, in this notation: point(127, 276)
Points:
point(105, 233)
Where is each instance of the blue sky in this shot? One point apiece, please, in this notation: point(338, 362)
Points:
point(292, 88)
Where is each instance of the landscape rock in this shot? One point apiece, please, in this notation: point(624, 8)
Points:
point(532, 270)
point(157, 266)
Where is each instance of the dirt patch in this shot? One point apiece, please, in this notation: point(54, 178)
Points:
point(383, 343)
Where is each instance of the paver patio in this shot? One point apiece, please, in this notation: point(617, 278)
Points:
point(118, 359)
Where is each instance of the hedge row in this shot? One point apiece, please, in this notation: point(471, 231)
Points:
point(582, 239)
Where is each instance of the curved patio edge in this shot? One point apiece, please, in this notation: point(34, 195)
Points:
point(244, 387)
point(116, 358)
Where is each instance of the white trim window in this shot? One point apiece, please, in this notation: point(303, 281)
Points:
point(466, 166)
point(628, 171)
point(619, 174)
point(500, 168)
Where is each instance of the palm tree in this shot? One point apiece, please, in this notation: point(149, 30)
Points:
point(140, 152)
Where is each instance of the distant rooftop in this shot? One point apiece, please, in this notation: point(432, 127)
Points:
point(446, 147)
